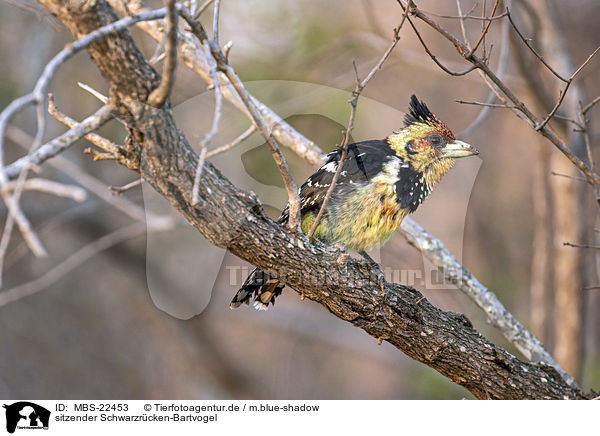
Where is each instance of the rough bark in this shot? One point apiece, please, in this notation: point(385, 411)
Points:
point(234, 219)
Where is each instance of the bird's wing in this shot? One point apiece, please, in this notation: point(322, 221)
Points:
point(364, 161)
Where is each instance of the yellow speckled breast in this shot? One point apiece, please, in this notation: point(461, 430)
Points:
point(368, 219)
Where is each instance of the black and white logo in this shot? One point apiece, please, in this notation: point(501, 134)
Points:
point(26, 415)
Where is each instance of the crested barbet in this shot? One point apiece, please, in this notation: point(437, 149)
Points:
point(381, 182)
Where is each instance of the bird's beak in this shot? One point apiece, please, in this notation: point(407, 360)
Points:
point(457, 149)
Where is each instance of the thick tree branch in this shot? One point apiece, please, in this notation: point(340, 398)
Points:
point(500, 318)
point(234, 219)
point(412, 231)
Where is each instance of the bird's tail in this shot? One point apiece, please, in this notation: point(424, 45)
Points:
point(258, 286)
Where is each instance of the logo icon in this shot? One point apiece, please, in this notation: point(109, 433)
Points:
point(26, 415)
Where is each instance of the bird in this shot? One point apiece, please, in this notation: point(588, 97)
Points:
point(381, 181)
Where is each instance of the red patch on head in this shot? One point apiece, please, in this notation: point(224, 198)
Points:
point(443, 128)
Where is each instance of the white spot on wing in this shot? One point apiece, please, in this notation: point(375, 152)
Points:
point(331, 167)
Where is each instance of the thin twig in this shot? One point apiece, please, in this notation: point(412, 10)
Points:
point(485, 30)
point(159, 96)
point(568, 244)
point(48, 186)
point(73, 261)
point(590, 105)
point(221, 61)
point(60, 143)
point(216, 22)
point(470, 17)
point(583, 123)
point(83, 178)
point(467, 15)
point(462, 24)
point(98, 95)
point(533, 50)
point(120, 189)
point(360, 85)
point(94, 138)
point(215, 124)
point(500, 71)
point(198, 175)
point(202, 8)
point(233, 143)
point(434, 58)
point(521, 110)
point(191, 54)
point(481, 103)
point(563, 93)
point(566, 176)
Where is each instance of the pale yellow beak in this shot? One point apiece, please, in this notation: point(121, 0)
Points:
point(456, 149)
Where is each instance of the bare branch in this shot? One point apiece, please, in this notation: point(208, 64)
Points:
point(360, 85)
point(568, 244)
point(50, 187)
point(563, 93)
point(501, 318)
point(590, 105)
point(202, 8)
point(194, 57)
point(520, 108)
point(120, 189)
point(159, 96)
point(500, 71)
point(221, 61)
point(233, 143)
point(434, 58)
point(98, 95)
point(566, 176)
point(37, 97)
point(86, 180)
point(530, 47)
point(75, 260)
point(94, 138)
point(61, 143)
point(216, 22)
point(480, 103)
point(485, 30)
point(216, 118)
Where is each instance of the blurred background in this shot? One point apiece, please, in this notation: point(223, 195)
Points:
point(148, 316)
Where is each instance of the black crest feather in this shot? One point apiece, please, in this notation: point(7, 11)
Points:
point(418, 112)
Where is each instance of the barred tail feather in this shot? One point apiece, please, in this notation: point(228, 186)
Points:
point(261, 288)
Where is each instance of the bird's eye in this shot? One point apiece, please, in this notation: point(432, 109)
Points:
point(436, 140)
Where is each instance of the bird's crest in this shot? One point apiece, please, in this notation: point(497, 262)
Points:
point(419, 113)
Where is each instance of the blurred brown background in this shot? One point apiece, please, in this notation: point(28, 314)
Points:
point(97, 332)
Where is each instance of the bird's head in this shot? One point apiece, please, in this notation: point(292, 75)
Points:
point(427, 143)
